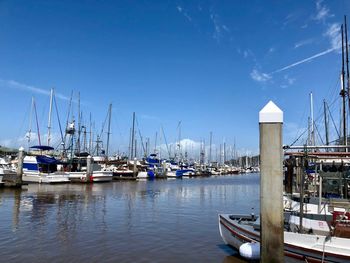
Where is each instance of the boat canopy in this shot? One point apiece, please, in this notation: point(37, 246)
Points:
point(41, 159)
point(42, 147)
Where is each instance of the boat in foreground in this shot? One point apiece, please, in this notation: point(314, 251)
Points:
point(237, 230)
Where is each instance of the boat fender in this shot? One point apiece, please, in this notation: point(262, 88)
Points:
point(250, 250)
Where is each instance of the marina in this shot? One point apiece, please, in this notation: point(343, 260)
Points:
point(175, 131)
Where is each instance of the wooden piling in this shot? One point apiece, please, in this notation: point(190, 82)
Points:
point(271, 184)
point(89, 169)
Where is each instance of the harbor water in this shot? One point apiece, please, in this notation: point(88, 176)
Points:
point(123, 221)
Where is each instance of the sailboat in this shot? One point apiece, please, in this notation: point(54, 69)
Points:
point(40, 166)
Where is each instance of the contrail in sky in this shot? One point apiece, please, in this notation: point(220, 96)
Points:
point(303, 61)
point(16, 85)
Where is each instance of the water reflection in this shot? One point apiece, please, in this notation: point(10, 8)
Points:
point(172, 221)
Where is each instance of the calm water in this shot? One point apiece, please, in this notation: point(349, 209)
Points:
point(149, 221)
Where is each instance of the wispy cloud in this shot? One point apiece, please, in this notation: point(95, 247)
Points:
point(303, 43)
point(259, 76)
point(322, 11)
point(287, 81)
point(303, 61)
point(291, 17)
point(217, 28)
point(334, 36)
point(184, 13)
point(16, 85)
point(220, 29)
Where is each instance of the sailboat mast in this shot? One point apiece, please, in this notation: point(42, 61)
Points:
point(30, 121)
point(79, 123)
point(133, 136)
point(343, 92)
point(210, 142)
point(347, 61)
point(90, 141)
point(347, 66)
point(325, 122)
point(37, 122)
point(312, 139)
point(109, 128)
point(49, 120)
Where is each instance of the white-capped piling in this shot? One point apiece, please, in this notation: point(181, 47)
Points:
point(89, 162)
point(271, 184)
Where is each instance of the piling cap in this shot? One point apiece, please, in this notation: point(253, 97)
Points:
point(271, 114)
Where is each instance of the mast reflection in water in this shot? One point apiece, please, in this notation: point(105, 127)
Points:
point(148, 221)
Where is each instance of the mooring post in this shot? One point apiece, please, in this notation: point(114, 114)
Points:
point(18, 180)
point(164, 169)
point(271, 184)
point(89, 168)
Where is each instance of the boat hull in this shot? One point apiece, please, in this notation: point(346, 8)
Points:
point(52, 178)
point(297, 247)
point(99, 176)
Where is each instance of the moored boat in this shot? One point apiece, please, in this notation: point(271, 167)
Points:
point(237, 230)
point(42, 169)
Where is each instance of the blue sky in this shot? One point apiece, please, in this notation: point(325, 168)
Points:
point(210, 64)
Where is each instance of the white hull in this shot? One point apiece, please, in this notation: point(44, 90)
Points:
point(102, 176)
point(171, 174)
point(97, 176)
point(35, 177)
point(142, 175)
point(298, 247)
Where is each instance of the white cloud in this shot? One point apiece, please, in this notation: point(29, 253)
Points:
point(334, 35)
point(303, 43)
point(259, 76)
point(322, 11)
